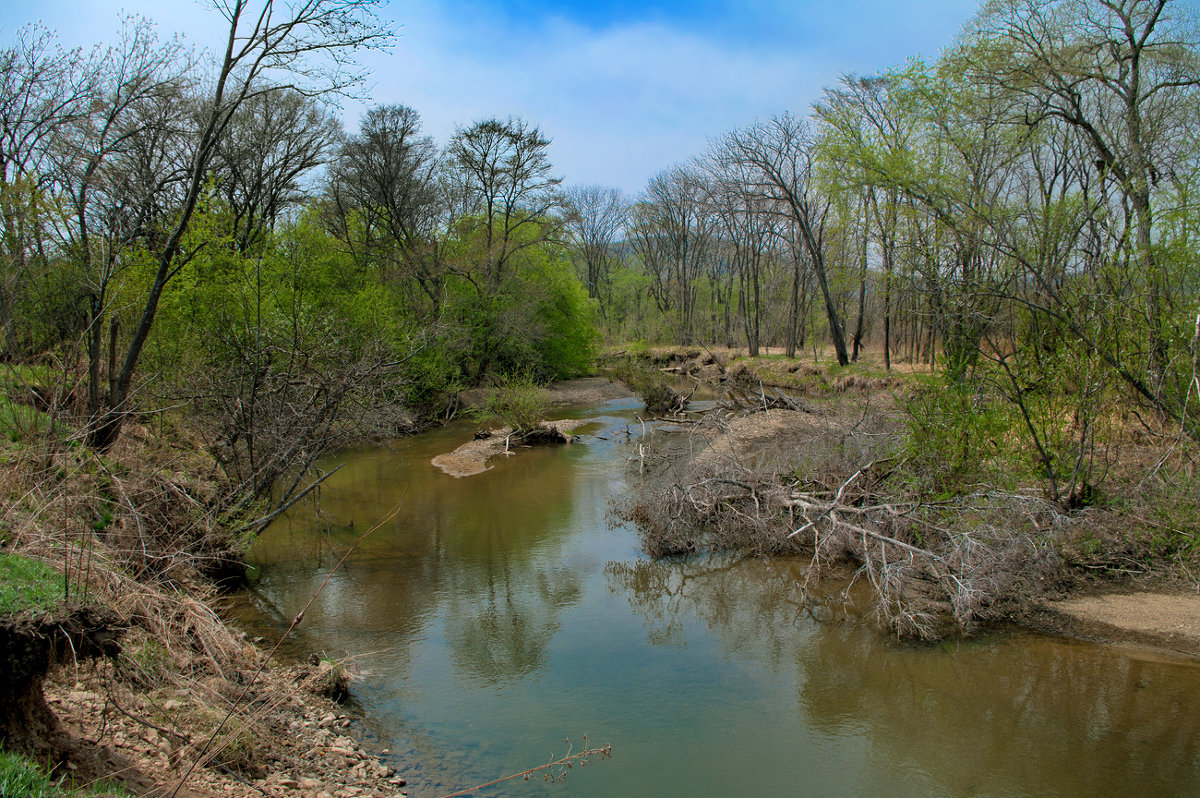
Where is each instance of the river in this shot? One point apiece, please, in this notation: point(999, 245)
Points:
point(495, 617)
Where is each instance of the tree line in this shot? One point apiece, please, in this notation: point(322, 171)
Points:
point(183, 228)
point(1019, 213)
point(198, 229)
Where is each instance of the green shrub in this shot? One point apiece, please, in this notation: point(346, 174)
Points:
point(518, 402)
point(953, 430)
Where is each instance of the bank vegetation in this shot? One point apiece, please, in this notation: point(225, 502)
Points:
point(964, 295)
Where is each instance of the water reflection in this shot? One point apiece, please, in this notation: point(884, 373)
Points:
point(479, 553)
point(1015, 714)
point(496, 615)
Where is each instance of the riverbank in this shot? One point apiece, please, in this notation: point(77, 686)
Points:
point(829, 455)
point(1160, 621)
point(284, 736)
point(164, 697)
point(147, 716)
point(131, 530)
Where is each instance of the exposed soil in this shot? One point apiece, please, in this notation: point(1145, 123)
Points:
point(1168, 621)
point(29, 646)
point(286, 738)
point(775, 428)
point(587, 391)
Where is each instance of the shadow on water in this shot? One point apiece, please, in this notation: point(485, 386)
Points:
point(497, 615)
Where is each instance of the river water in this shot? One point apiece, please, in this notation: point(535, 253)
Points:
point(497, 616)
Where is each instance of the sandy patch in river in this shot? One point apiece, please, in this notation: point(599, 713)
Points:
point(471, 458)
point(774, 431)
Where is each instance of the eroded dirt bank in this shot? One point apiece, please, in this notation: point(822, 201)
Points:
point(285, 738)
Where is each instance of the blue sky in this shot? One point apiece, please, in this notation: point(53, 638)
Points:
point(623, 88)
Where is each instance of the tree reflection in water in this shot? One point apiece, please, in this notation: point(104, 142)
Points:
point(1009, 714)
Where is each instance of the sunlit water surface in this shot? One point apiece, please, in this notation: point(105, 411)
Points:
point(497, 616)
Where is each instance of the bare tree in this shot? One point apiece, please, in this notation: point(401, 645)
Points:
point(385, 192)
point(748, 232)
point(42, 88)
point(506, 184)
point(594, 218)
point(116, 168)
point(780, 152)
point(672, 237)
point(1124, 73)
point(273, 141)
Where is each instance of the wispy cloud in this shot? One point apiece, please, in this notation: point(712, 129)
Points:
point(624, 89)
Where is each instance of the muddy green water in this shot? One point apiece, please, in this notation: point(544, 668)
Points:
point(498, 615)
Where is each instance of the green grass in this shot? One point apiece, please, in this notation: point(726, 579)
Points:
point(24, 374)
point(19, 421)
point(20, 778)
point(27, 584)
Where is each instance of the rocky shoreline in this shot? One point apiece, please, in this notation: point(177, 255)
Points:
point(284, 739)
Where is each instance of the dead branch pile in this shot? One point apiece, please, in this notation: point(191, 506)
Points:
point(936, 568)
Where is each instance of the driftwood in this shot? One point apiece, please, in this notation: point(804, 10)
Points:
point(741, 399)
point(471, 458)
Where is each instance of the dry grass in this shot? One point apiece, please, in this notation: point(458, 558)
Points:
point(129, 534)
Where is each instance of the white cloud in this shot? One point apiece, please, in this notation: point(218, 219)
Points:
point(621, 102)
